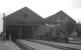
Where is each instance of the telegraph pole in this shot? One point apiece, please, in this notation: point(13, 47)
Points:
point(3, 22)
point(4, 26)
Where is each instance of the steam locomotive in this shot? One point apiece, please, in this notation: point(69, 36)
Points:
point(57, 33)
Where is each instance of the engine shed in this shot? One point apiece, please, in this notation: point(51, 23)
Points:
point(62, 18)
point(21, 23)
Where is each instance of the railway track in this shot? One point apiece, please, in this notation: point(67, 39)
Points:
point(71, 42)
point(26, 46)
point(23, 46)
point(38, 46)
point(68, 46)
point(76, 43)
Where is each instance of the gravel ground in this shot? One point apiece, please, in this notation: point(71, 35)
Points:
point(8, 45)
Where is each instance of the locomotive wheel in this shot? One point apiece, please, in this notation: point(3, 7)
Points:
point(64, 40)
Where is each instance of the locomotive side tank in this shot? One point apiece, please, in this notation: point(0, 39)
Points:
point(52, 32)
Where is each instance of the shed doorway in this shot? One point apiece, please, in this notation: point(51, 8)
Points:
point(19, 31)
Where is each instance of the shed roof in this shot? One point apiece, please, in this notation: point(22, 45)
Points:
point(59, 17)
point(24, 16)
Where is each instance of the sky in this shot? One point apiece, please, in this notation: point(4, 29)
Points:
point(43, 8)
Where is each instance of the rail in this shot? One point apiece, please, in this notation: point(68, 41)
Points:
point(55, 46)
point(23, 46)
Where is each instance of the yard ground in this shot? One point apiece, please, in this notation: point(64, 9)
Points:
point(8, 45)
